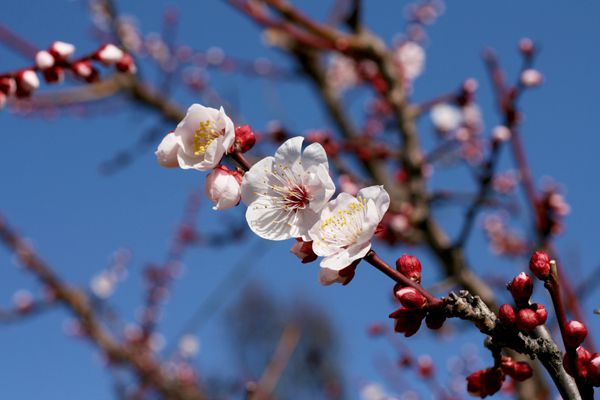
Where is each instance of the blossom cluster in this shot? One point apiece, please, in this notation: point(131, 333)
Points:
point(52, 64)
point(288, 195)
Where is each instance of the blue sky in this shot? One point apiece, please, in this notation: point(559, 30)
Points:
point(51, 190)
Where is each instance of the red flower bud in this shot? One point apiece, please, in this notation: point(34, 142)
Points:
point(8, 86)
point(575, 333)
point(582, 360)
point(411, 298)
point(507, 314)
point(527, 319)
point(303, 250)
point(53, 75)
point(540, 312)
point(409, 266)
point(593, 370)
point(244, 138)
point(519, 371)
point(485, 382)
point(435, 318)
point(126, 64)
point(539, 264)
point(521, 288)
point(407, 321)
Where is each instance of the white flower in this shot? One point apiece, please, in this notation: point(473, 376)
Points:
point(285, 193)
point(189, 345)
point(343, 233)
point(341, 73)
point(410, 56)
point(204, 136)
point(445, 117)
point(223, 188)
point(166, 154)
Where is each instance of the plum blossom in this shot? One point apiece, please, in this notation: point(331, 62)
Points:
point(343, 233)
point(204, 136)
point(166, 154)
point(285, 193)
point(445, 117)
point(410, 56)
point(223, 187)
point(341, 73)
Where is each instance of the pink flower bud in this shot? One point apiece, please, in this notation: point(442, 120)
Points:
point(593, 370)
point(582, 359)
point(407, 321)
point(485, 382)
point(501, 133)
point(411, 298)
point(425, 367)
point(166, 153)
point(539, 264)
point(521, 288)
point(507, 315)
point(27, 81)
point(2, 100)
point(409, 266)
point(527, 319)
point(44, 60)
point(223, 187)
point(575, 333)
point(126, 65)
point(109, 54)
point(303, 250)
point(531, 78)
point(244, 138)
point(375, 330)
point(8, 86)
point(526, 46)
point(86, 71)
point(61, 50)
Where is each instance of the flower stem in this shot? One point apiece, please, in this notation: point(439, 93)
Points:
point(241, 160)
point(552, 284)
point(376, 261)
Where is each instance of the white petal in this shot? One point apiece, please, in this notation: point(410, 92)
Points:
point(314, 155)
point(255, 180)
point(345, 257)
point(328, 276)
point(166, 153)
point(268, 223)
point(289, 152)
point(379, 195)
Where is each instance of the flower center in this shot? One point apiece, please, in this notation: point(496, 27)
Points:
point(297, 198)
point(346, 225)
point(206, 133)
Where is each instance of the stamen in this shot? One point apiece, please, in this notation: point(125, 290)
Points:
point(205, 135)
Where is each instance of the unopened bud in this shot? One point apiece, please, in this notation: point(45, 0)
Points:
point(86, 71)
point(304, 251)
point(531, 77)
point(435, 318)
point(507, 314)
point(53, 75)
point(581, 364)
point(540, 313)
point(27, 81)
point(223, 187)
point(526, 46)
point(501, 133)
point(539, 264)
point(409, 266)
point(61, 49)
point(593, 370)
point(575, 333)
point(8, 86)
point(244, 138)
point(527, 320)
point(521, 288)
point(407, 321)
point(126, 64)
point(44, 60)
point(519, 371)
point(109, 54)
point(411, 298)
point(485, 382)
